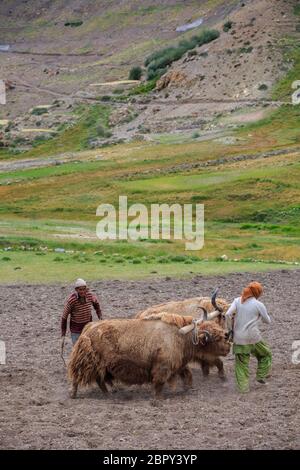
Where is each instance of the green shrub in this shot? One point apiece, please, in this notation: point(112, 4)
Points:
point(163, 260)
point(263, 86)
point(20, 140)
point(135, 73)
point(39, 111)
point(158, 61)
point(40, 139)
point(297, 10)
point(207, 36)
point(155, 74)
point(170, 55)
point(73, 23)
point(105, 98)
point(178, 258)
point(102, 132)
point(246, 50)
point(261, 216)
point(188, 44)
point(227, 26)
point(156, 55)
point(253, 245)
point(9, 126)
point(143, 88)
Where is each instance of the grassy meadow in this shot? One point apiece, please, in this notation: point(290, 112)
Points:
point(252, 206)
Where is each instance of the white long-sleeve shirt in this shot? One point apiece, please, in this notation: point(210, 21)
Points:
point(246, 321)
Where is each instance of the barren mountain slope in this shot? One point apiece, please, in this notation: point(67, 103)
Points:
point(59, 50)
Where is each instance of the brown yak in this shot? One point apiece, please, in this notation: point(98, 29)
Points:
point(137, 351)
point(196, 307)
point(216, 307)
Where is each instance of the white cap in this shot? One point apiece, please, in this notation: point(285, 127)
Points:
point(80, 283)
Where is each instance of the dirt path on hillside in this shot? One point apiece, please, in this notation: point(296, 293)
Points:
point(19, 164)
point(36, 412)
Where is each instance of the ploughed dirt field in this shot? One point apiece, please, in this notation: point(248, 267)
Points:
point(36, 412)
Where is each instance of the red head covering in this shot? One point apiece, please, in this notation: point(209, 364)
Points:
point(254, 289)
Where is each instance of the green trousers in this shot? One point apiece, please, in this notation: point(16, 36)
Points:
point(242, 353)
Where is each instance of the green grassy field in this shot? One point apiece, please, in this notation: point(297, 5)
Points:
point(30, 268)
point(252, 206)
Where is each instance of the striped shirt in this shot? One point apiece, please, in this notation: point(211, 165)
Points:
point(80, 311)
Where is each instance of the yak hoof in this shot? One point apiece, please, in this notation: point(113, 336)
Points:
point(73, 393)
point(172, 382)
point(101, 385)
point(156, 402)
point(158, 387)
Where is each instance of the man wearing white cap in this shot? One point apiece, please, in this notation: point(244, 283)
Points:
point(79, 307)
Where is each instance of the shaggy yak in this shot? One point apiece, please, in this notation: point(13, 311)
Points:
point(197, 307)
point(215, 307)
point(138, 351)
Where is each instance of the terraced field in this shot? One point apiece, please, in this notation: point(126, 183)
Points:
point(250, 190)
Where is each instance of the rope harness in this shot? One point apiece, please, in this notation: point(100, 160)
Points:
point(195, 336)
point(62, 353)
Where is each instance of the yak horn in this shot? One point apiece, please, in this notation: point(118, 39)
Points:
point(206, 334)
point(213, 315)
point(213, 300)
point(186, 329)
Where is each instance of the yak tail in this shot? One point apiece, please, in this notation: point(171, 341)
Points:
point(82, 367)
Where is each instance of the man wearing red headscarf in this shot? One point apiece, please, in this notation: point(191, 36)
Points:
point(247, 339)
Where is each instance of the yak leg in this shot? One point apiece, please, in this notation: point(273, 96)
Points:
point(109, 379)
point(160, 374)
point(205, 368)
point(101, 385)
point(220, 366)
point(172, 382)
point(158, 386)
point(186, 377)
point(73, 392)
